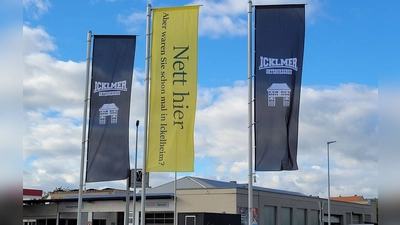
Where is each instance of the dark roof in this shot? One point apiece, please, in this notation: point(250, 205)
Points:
point(189, 182)
point(165, 191)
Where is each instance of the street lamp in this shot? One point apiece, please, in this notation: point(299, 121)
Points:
point(329, 185)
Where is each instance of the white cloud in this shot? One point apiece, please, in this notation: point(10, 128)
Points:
point(36, 8)
point(221, 169)
point(237, 167)
point(229, 17)
point(134, 21)
point(224, 7)
point(36, 40)
point(48, 173)
point(53, 108)
point(221, 126)
point(347, 113)
point(52, 84)
point(226, 17)
point(222, 18)
point(214, 26)
point(46, 136)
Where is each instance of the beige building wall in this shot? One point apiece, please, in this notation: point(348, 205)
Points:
point(207, 200)
point(62, 194)
point(94, 206)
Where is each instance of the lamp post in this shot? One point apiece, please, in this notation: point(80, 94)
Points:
point(329, 185)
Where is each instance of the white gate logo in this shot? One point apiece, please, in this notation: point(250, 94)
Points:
point(279, 90)
point(110, 110)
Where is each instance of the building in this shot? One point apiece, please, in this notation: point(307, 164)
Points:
point(271, 206)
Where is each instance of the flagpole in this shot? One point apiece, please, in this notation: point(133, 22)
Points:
point(127, 201)
point(146, 115)
point(79, 217)
point(175, 200)
point(134, 176)
point(250, 118)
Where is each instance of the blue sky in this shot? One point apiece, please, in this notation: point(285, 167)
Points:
point(348, 45)
point(338, 33)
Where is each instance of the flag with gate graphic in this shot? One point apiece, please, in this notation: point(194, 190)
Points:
point(278, 64)
point(110, 96)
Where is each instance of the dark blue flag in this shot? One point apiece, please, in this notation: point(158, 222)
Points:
point(112, 71)
point(279, 47)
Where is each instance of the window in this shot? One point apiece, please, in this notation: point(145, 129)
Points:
point(348, 218)
point(41, 222)
point(356, 218)
point(314, 216)
point(29, 222)
point(51, 221)
point(99, 222)
point(72, 222)
point(269, 215)
point(368, 217)
point(286, 216)
point(120, 219)
point(159, 218)
point(301, 215)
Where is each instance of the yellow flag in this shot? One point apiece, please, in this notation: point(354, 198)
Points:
point(173, 89)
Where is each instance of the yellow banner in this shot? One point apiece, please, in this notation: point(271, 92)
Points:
point(173, 90)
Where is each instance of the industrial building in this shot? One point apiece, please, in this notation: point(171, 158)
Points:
point(198, 195)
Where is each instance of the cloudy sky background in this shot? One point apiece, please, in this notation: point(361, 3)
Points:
point(339, 98)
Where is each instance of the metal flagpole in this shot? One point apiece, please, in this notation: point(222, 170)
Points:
point(329, 184)
point(89, 40)
point(250, 117)
point(127, 202)
point(175, 200)
point(134, 175)
point(146, 113)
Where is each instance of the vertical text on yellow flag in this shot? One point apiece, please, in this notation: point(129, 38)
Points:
point(173, 90)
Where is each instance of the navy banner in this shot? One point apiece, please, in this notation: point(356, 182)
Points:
point(279, 47)
point(110, 95)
